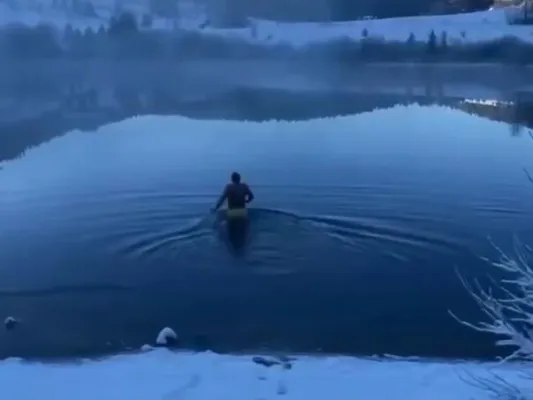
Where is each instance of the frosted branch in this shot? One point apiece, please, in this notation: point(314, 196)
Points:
point(509, 316)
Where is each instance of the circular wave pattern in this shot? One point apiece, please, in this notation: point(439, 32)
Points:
point(351, 246)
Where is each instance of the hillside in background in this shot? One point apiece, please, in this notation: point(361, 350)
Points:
point(233, 11)
point(343, 10)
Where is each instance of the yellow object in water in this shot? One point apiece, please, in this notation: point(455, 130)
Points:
point(237, 213)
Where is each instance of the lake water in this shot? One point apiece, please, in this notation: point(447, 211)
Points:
point(358, 227)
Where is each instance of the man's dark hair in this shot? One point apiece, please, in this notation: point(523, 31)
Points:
point(235, 177)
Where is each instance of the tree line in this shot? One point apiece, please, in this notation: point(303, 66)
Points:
point(125, 39)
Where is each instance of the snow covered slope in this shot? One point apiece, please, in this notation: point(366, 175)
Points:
point(161, 374)
point(470, 27)
point(61, 12)
point(37, 14)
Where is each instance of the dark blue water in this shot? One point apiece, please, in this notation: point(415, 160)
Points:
point(358, 225)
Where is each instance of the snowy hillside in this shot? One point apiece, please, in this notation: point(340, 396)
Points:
point(36, 14)
point(62, 12)
point(470, 27)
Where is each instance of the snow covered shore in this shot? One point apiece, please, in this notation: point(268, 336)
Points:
point(465, 28)
point(161, 374)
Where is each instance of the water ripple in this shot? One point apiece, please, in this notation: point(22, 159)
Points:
point(355, 220)
point(61, 290)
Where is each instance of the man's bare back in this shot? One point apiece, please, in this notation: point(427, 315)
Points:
point(237, 194)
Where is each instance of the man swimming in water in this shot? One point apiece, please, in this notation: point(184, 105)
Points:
point(238, 194)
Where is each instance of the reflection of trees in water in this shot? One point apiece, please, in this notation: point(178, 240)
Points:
point(121, 38)
point(128, 99)
point(82, 106)
point(518, 113)
point(516, 129)
point(80, 99)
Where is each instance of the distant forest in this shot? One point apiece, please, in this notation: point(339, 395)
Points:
point(125, 39)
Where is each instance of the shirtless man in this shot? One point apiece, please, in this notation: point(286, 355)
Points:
point(238, 194)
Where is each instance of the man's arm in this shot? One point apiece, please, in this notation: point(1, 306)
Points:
point(221, 199)
point(249, 194)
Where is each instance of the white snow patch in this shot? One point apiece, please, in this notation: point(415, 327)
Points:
point(166, 337)
point(489, 102)
point(161, 374)
point(146, 347)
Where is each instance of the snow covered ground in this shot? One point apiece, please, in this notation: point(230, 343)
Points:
point(469, 27)
point(161, 374)
point(33, 16)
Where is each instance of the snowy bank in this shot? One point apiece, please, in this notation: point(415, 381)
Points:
point(472, 27)
point(465, 28)
point(161, 374)
point(43, 15)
